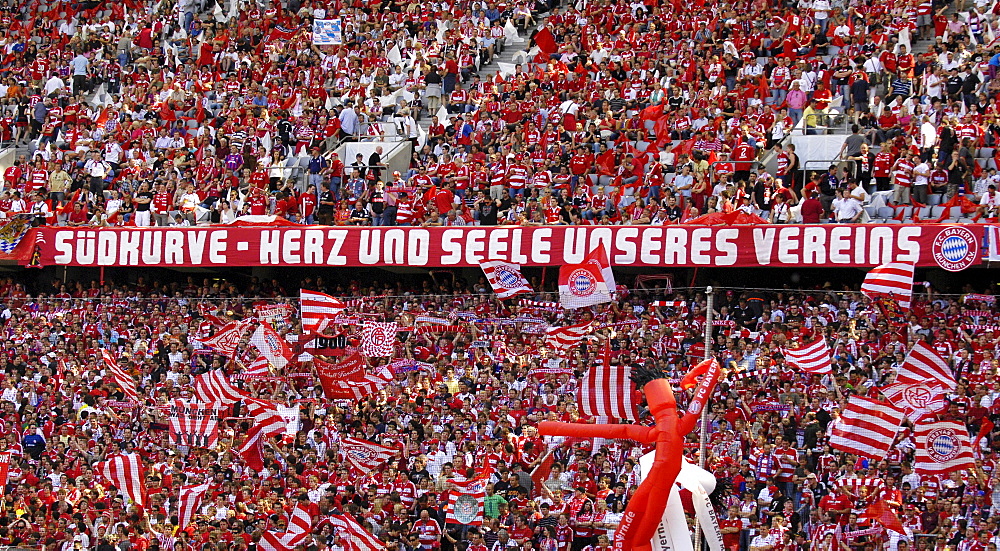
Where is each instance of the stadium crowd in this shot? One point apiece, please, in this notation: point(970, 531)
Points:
point(184, 112)
point(470, 406)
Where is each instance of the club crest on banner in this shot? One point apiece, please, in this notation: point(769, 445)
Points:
point(582, 283)
point(508, 277)
point(955, 249)
point(466, 509)
point(918, 396)
point(943, 445)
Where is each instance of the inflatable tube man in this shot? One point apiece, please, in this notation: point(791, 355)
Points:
point(646, 508)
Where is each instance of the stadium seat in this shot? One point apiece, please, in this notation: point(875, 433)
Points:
point(991, 163)
point(982, 162)
point(985, 152)
point(926, 212)
point(934, 199)
point(886, 212)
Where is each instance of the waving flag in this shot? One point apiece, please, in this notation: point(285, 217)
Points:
point(378, 338)
point(365, 456)
point(811, 358)
point(189, 500)
point(262, 428)
point(466, 503)
point(563, 339)
point(882, 513)
point(867, 428)
point(299, 525)
point(271, 346)
point(318, 309)
point(924, 364)
point(14, 231)
point(942, 447)
point(226, 339)
point(213, 386)
point(588, 283)
point(126, 473)
point(607, 390)
point(350, 379)
point(916, 400)
point(893, 281)
point(354, 536)
point(120, 376)
point(505, 278)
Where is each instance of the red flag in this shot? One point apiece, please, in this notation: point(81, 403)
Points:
point(126, 473)
point(350, 380)
point(214, 386)
point(354, 536)
point(587, 283)
point(608, 391)
point(166, 113)
point(811, 358)
point(893, 280)
point(984, 429)
point(942, 447)
point(318, 309)
point(225, 340)
point(262, 429)
point(545, 41)
point(378, 338)
point(466, 503)
point(924, 364)
point(881, 512)
point(4, 470)
point(563, 339)
point(189, 500)
point(867, 428)
point(505, 278)
point(364, 456)
point(271, 346)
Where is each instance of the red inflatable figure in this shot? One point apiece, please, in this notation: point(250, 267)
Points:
point(645, 510)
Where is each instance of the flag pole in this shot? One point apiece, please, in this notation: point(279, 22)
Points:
point(703, 421)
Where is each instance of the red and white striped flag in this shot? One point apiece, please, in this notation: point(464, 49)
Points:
point(189, 499)
point(607, 391)
point(257, 368)
point(942, 447)
point(588, 283)
point(866, 428)
point(263, 428)
point(121, 378)
point(318, 309)
point(916, 400)
point(354, 536)
point(299, 525)
point(365, 456)
point(271, 345)
point(227, 339)
point(924, 365)
point(811, 358)
point(125, 471)
point(505, 278)
point(214, 386)
point(194, 424)
point(563, 339)
point(466, 503)
point(893, 280)
point(378, 339)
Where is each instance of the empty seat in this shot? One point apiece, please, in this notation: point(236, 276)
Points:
point(886, 212)
point(925, 213)
point(934, 199)
point(985, 152)
point(991, 163)
point(982, 162)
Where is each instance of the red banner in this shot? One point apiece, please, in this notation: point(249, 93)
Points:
point(952, 247)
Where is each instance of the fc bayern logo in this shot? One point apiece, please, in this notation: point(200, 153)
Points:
point(955, 249)
point(507, 277)
point(582, 284)
point(943, 445)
